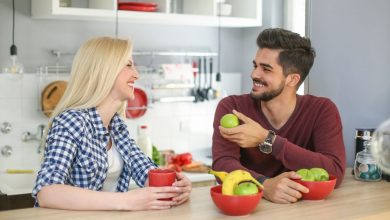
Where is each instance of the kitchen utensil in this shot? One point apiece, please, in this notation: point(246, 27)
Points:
point(197, 168)
point(51, 95)
point(211, 92)
point(205, 88)
point(137, 106)
point(193, 91)
point(199, 90)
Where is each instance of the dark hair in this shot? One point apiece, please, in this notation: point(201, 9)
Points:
point(296, 53)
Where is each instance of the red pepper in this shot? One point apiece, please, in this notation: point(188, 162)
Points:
point(185, 158)
point(182, 159)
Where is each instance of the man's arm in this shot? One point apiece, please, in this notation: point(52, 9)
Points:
point(226, 154)
point(328, 150)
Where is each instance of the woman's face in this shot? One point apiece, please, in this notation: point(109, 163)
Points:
point(124, 84)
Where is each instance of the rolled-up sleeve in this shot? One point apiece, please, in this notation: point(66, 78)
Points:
point(60, 151)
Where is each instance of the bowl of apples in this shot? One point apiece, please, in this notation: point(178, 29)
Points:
point(318, 181)
point(244, 201)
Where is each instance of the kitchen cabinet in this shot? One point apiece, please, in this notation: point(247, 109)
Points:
point(20, 201)
point(245, 13)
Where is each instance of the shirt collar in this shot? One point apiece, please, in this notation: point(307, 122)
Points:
point(116, 123)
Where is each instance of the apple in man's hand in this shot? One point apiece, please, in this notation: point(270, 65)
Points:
point(229, 121)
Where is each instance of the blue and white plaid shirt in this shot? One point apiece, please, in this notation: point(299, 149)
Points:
point(76, 153)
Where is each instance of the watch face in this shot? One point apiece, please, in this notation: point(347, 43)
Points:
point(265, 148)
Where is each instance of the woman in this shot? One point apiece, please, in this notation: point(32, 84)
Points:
point(89, 156)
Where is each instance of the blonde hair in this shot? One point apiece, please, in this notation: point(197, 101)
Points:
point(94, 70)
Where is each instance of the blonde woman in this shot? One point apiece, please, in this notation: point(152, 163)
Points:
point(89, 155)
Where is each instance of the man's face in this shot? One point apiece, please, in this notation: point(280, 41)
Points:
point(267, 75)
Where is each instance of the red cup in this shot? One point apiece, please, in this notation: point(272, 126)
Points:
point(162, 177)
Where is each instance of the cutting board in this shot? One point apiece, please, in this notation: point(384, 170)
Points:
point(201, 168)
point(51, 95)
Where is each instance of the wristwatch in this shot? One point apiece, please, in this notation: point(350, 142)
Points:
point(266, 145)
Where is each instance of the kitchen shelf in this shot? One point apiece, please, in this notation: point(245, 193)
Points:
point(175, 53)
point(173, 86)
point(245, 13)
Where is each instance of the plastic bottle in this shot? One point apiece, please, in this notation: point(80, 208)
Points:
point(144, 142)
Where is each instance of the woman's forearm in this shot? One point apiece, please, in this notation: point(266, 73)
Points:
point(73, 198)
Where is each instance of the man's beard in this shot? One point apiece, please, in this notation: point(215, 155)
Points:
point(267, 96)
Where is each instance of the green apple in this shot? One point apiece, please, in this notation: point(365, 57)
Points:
point(320, 174)
point(246, 188)
point(306, 175)
point(229, 121)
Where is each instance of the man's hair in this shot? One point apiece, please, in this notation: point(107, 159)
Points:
point(296, 53)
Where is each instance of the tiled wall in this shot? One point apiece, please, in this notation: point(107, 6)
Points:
point(182, 126)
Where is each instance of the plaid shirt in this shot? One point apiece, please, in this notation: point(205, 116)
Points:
point(76, 153)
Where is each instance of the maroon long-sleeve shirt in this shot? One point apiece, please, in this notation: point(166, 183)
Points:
point(312, 137)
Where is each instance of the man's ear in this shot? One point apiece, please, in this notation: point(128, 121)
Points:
point(293, 79)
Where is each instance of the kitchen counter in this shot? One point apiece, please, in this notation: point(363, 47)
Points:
point(353, 200)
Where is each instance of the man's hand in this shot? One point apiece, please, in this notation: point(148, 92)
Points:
point(281, 189)
point(248, 134)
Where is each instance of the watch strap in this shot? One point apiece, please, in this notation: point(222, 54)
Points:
point(261, 179)
point(266, 145)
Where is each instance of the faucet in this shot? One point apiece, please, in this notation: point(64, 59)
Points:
point(38, 136)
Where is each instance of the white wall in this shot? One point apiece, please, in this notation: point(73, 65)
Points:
point(351, 38)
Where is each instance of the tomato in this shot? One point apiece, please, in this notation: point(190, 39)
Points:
point(182, 159)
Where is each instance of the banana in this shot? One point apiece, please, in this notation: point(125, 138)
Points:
point(220, 174)
point(234, 178)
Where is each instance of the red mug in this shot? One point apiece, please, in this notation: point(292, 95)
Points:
point(162, 177)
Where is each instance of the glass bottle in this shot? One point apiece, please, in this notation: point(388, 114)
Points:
point(365, 167)
point(143, 141)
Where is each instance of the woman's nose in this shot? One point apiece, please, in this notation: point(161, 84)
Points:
point(136, 74)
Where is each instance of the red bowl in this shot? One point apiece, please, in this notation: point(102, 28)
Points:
point(318, 189)
point(235, 205)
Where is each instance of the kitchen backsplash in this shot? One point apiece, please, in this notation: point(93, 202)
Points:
point(181, 126)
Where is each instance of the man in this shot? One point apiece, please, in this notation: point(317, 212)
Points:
point(280, 131)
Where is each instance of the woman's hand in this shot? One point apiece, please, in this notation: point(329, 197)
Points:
point(148, 198)
point(183, 184)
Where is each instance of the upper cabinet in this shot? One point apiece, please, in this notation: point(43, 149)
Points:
point(234, 13)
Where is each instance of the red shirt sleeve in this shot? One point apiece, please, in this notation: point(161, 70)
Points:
point(226, 154)
point(328, 146)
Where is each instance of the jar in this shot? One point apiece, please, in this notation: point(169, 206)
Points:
point(365, 167)
point(362, 137)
